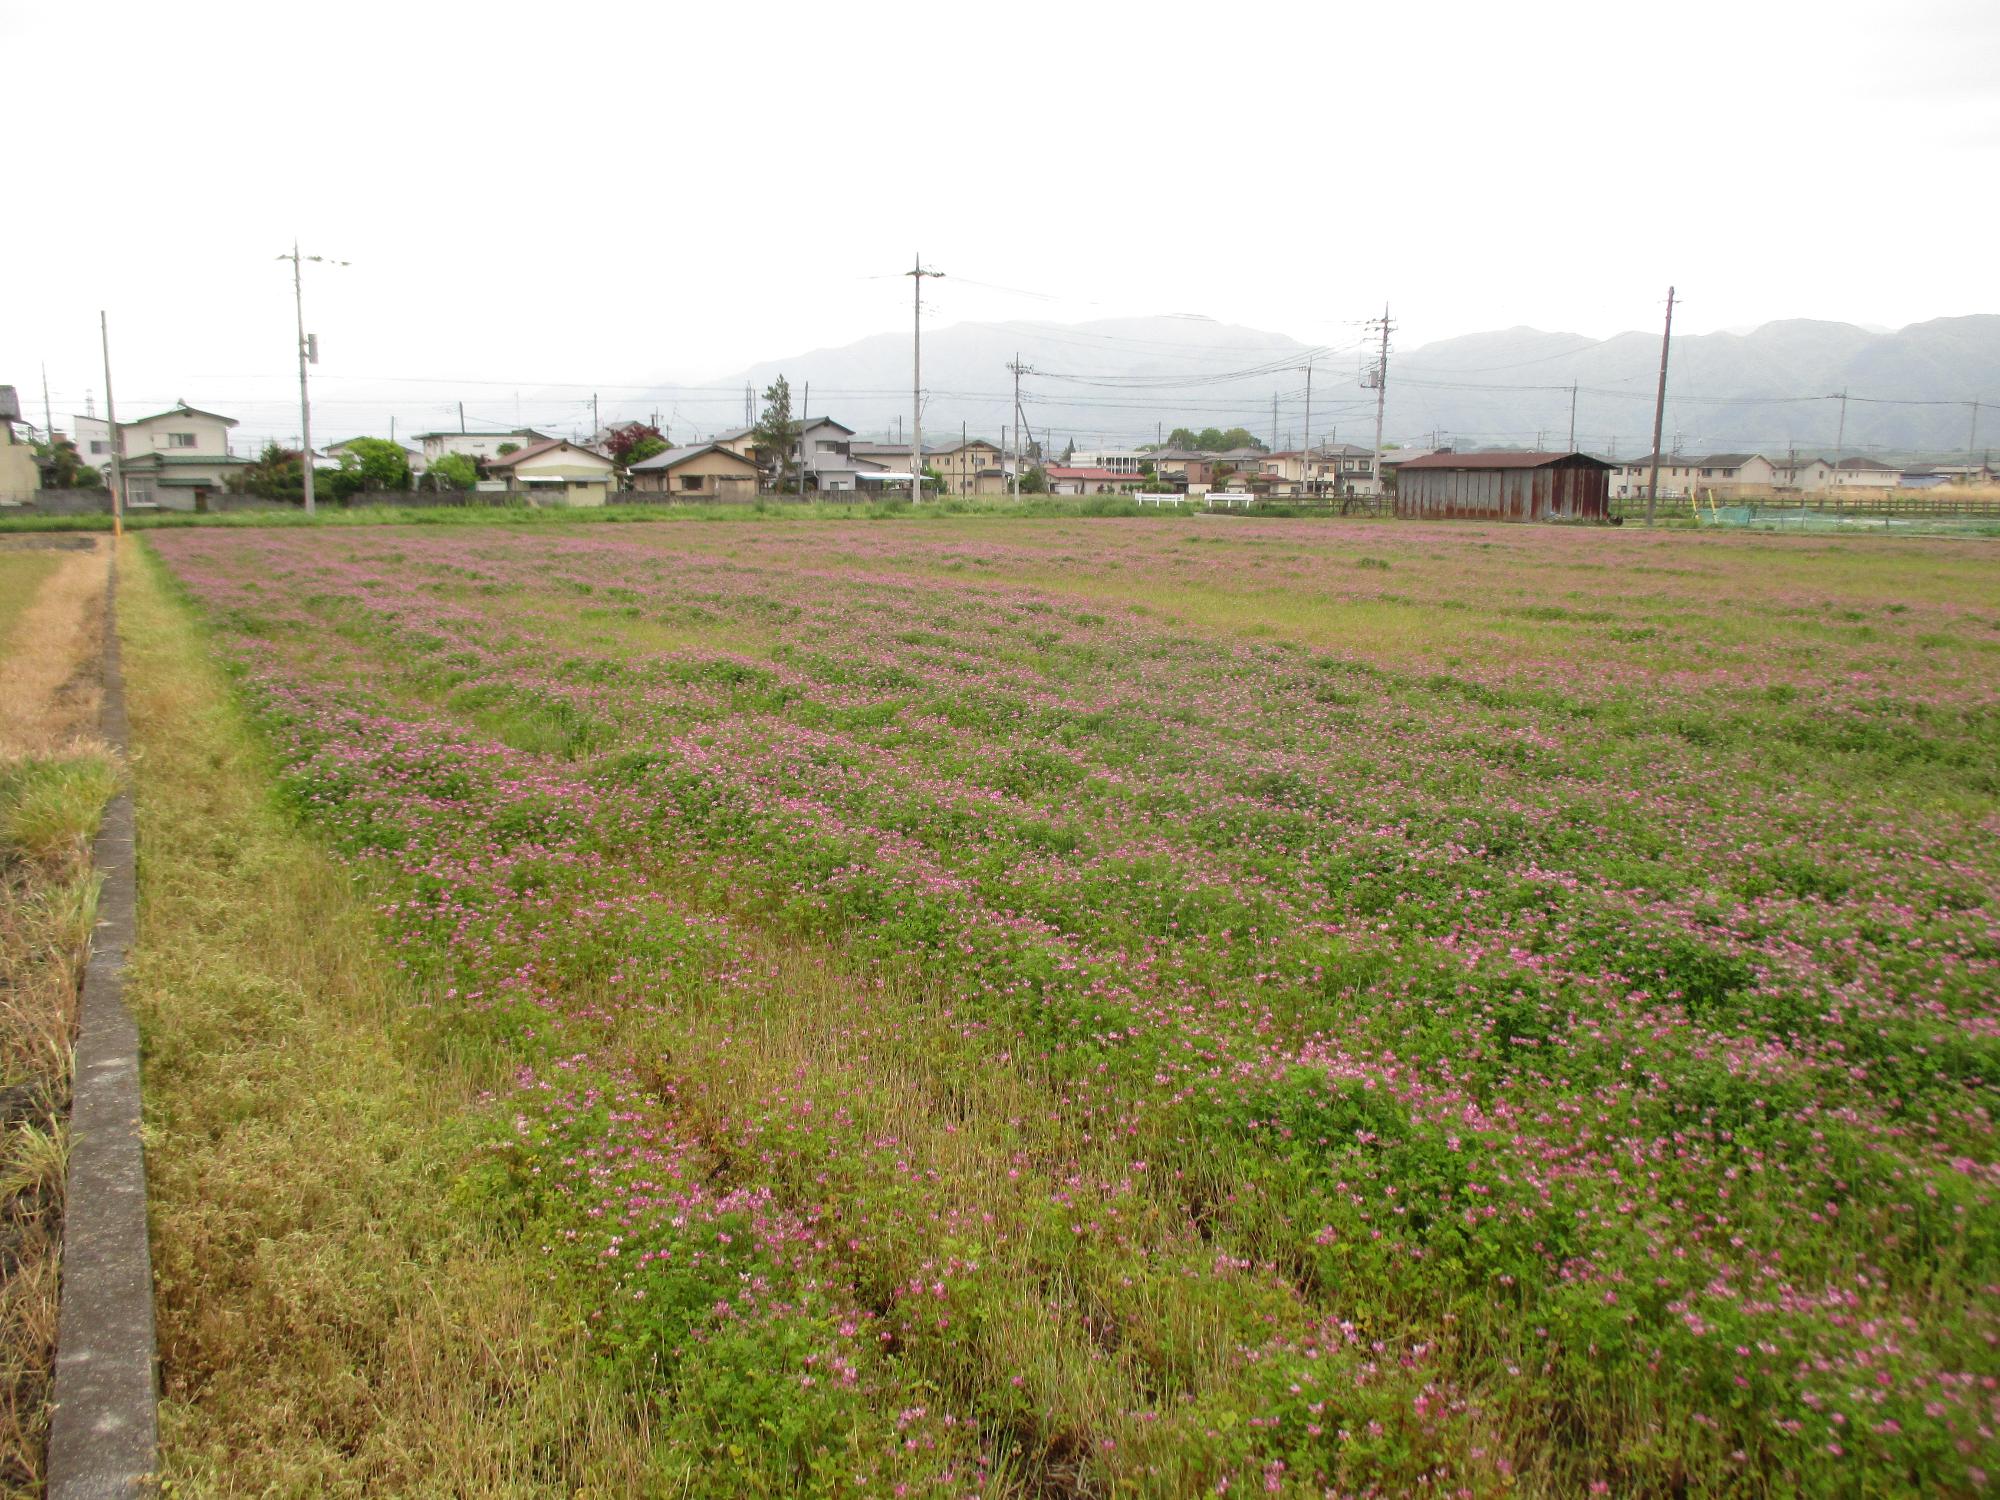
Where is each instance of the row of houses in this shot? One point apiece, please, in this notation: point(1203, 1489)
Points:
point(1733, 473)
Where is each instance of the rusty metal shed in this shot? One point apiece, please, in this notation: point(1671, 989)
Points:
point(1504, 487)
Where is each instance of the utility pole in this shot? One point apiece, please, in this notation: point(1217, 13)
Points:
point(1660, 410)
point(461, 417)
point(1840, 440)
point(1306, 453)
point(48, 414)
point(1381, 384)
point(746, 404)
point(1572, 416)
point(1972, 442)
point(1275, 444)
point(117, 443)
point(595, 425)
point(917, 274)
point(308, 354)
point(1018, 369)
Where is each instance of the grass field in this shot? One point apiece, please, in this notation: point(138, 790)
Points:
point(1080, 1008)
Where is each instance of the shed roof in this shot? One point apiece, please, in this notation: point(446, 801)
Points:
point(1725, 460)
point(673, 458)
point(1499, 460)
point(1864, 463)
point(536, 450)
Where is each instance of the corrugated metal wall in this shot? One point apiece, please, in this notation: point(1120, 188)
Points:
point(1548, 494)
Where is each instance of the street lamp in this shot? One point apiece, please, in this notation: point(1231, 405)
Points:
point(308, 354)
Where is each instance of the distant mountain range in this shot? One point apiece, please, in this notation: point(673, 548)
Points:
point(1121, 382)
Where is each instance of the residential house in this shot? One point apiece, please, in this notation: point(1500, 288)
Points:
point(973, 467)
point(1811, 475)
point(1182, 468)
point(1341, 467)
point(556, 471)
point(1072, 479)
point(1234, 467)
point(19, 478)
point(92, 436)
point(1283, 468)
point(825, 457)
point(1864, 473)
point(178, 459)
point(1734, 471)
point(1929, 476)
point(1678, 476)
point(741, 441)
point(700, 471)
point(886, 463)
point(478, 446)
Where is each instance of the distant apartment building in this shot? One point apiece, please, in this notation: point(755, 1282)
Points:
point(1116, 460)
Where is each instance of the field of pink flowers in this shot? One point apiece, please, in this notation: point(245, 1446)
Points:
point(1175, 1007)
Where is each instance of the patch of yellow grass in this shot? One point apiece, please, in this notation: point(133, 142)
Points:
point(48, 659)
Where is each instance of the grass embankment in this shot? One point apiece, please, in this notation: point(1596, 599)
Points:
point(328, 1322)
point(54, 783)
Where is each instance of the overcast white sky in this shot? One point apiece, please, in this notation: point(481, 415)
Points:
point(604, 193)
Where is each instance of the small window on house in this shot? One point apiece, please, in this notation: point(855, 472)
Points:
point(98, 446)
point(180, 440)
point(690, 481)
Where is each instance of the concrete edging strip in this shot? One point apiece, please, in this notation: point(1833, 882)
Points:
point(104, 1428)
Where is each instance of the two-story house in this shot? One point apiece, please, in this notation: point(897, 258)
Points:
point(478, 446)
point(824, 457)
point(1187, 468)
point(177, 459)
point(1864, 473)
point(972, 467)
point(1811, 475)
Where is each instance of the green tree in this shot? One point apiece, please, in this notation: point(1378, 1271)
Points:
point(777, 433)
point(275, 474)
point(644, 448)
point(506, 448)
point(62, 467)
point(1183, 438)
point(1035, 481)
point(377, 463)
point(454, 471)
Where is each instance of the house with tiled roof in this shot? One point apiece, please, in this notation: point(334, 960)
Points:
point(554, 471)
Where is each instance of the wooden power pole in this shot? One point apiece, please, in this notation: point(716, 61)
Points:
point(1660, 410)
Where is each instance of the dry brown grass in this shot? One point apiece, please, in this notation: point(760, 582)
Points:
point(49, 687)
point(55, 779)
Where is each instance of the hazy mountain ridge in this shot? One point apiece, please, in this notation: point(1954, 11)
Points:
point(1503, 387)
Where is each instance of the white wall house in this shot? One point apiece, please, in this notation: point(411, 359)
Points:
point(1811, 475)
point(177, 459)
point(1865, 473)
point(1117, 460)
point(476, 445)
point(92, 436)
